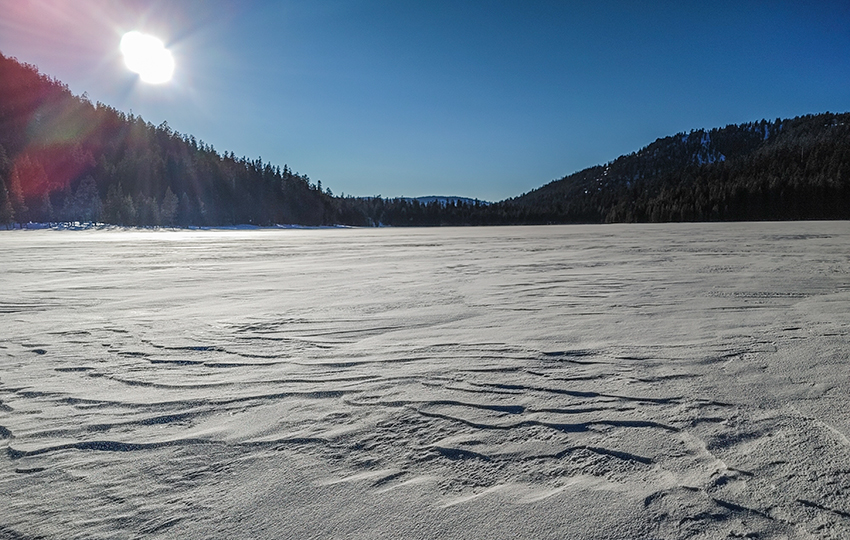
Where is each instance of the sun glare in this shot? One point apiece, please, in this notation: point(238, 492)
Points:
point(147, 56)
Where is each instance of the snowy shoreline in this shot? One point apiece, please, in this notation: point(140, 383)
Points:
point(89, 226)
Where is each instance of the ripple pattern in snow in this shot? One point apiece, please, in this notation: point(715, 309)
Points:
point(658, 381)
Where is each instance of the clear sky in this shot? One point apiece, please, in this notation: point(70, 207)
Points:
point(477, 98)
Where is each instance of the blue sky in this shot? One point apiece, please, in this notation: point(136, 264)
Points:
point(485, 99)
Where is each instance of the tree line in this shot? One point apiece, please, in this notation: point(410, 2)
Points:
point(63, 158)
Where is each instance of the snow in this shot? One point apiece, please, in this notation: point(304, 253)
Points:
point(629, 381)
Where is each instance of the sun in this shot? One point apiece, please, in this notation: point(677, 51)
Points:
point(146, 55)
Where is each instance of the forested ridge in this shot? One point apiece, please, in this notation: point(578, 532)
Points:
point(767, 170)
point(63, 158)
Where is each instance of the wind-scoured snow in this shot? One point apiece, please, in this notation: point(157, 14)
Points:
point(653, 381)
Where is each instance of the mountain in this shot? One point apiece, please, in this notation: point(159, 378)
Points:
point(779, 170)
point(765, 170)
point(63, 158)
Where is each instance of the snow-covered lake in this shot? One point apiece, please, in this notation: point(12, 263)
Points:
point(641, 381)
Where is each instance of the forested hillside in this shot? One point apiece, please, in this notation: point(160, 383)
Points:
point(767, 170)
point(63, 158)
point(779, 170)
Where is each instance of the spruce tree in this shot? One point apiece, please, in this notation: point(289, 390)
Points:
point(88, 204)
point(7, 213)
point(16, 195)
point(185, 211)
point(47, 208)
point(168, 211)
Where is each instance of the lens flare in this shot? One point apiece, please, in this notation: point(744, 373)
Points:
point(147, 56)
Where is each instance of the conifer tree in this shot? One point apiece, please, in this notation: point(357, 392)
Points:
point(68, 211)
point(168, 211)
point(88, 204)
point(47, 208)
point(184, 211)
point(16, 195)
point(7, 213)
point(112, 205)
